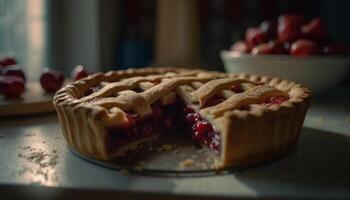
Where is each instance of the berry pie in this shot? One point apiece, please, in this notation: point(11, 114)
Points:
point(240, 119)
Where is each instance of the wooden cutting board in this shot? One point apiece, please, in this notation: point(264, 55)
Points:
point(34, 100)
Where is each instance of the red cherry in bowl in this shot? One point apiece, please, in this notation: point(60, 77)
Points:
point(304, 47)
point(280, 48)
point(289, 27)
point(272, 47)
point(79, 72)
point(11, 86)
point(255, 36)
point(14, 70)
point(269, 28)
point(264, 48)
point(4, 62)
point(336, 49)
point(291, 19)
point(51, 80)
point(315, 30)
point(241, 47)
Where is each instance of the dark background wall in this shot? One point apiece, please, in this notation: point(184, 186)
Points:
point(115, 34)
point(221, 22)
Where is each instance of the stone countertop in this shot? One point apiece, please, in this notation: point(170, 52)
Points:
point(35, 162)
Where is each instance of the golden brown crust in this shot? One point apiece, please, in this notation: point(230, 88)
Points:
point(249, 136)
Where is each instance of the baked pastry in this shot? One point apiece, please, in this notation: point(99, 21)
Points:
point(240, 119)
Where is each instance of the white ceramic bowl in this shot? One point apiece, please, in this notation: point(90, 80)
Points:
point(316, 72)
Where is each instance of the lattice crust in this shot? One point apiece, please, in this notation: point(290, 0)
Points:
point(84, 116)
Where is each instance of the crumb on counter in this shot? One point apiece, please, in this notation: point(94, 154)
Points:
point(167, 147)
point(138, 168)
point(125, 171)
point(347, 120)
point(322, 119)
point(186, 163)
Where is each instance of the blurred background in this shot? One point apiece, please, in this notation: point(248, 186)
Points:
point(116, 34)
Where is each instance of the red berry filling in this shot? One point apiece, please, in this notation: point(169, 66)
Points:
point(136, 128)
point(275, 100)
point(173, 116)
point(92, 89)
point(191, 118)
point(188, 109)
point(236, 89)
point(202, 131)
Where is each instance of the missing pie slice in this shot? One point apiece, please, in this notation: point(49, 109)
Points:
point(240, 119)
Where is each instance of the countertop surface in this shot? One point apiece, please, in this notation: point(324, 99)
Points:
point(35, 157)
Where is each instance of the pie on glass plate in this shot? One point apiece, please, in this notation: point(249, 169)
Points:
point(240, 119)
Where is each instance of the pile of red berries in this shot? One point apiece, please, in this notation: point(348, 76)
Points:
point(291, 34)
point(13, 79)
